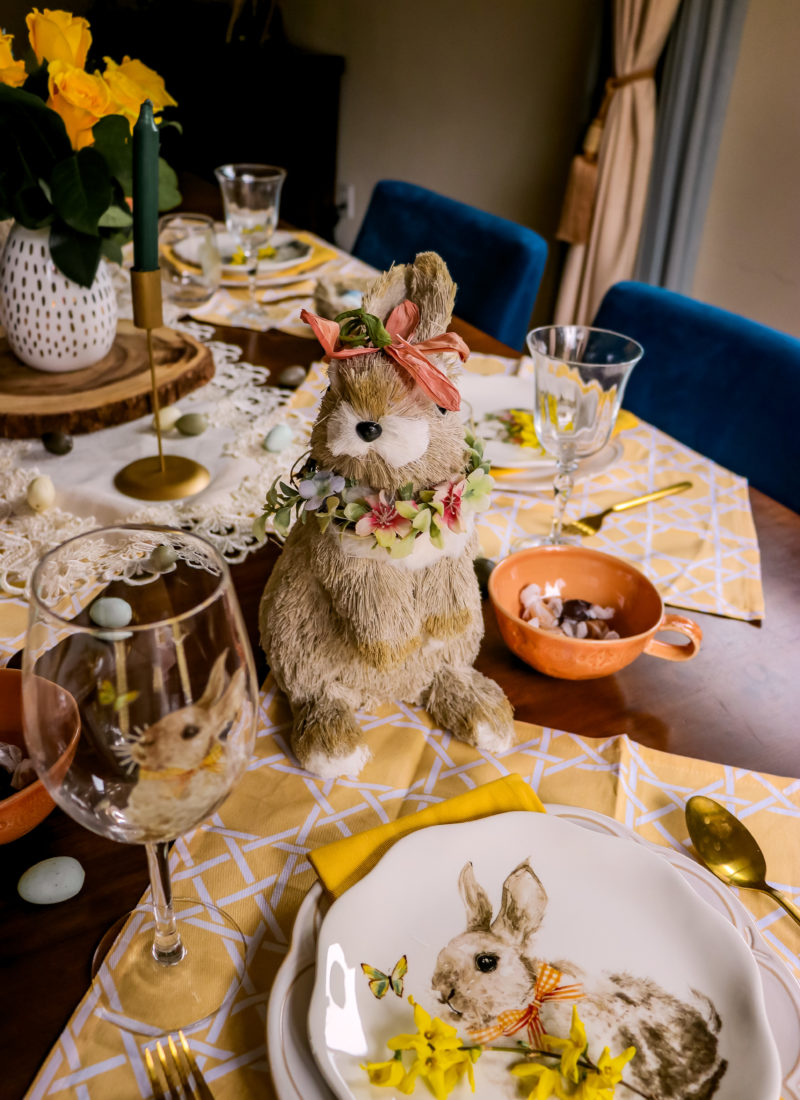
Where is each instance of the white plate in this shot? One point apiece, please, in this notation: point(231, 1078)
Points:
point(296, 1077)
point(613, 907)
point(486, 396)
point(290, 250)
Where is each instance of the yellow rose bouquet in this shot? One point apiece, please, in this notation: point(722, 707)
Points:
point(66, 140)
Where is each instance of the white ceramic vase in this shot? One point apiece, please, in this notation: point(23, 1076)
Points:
point(51, 322)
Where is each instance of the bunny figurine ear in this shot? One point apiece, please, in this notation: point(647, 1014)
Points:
point(476, 901)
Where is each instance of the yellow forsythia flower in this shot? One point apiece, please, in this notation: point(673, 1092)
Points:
point(610, 1069)
point(546, 1081)
point(59, 36)
point(131, 83)
point(11, 72)
point(79, 98)
point(571, 1048)
point(386, 1074)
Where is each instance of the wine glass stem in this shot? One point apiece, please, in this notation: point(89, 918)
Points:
point(167, 946)
point(252, 277)
point(562, 488)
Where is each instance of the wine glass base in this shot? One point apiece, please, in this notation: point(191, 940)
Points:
point(252, 314)
point(139, 994)
point(546, 540)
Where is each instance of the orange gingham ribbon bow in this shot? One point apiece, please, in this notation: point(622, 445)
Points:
point(400, 323)
point(546, 989)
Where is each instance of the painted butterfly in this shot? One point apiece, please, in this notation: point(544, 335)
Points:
point(380, 983)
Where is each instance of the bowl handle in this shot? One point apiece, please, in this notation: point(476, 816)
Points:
point(669, 650)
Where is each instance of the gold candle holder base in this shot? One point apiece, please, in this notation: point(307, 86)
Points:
point(153, 479)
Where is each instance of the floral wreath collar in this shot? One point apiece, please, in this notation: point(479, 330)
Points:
point(393, 521)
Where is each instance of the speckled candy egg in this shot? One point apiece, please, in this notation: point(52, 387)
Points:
point(41, 493)
point(167, 417)
point(192, 424)
point(292, 376)
point(111, 611)
point(51, 881)
point(57, 443)
point(278, 438)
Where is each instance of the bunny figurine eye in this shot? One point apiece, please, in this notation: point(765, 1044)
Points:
point(486, 963)
point(189, 731)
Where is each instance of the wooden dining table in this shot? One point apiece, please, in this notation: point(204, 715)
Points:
point(737, 703)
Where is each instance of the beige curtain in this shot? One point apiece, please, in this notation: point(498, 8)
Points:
point(623, 162)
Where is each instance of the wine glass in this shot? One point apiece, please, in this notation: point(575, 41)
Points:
point(139, 629)
point(251, 195)
point(580, 374)
point(189, 259)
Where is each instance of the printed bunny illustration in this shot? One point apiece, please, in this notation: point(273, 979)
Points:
point(493, 984)
point(181, 758)
point(345, 620)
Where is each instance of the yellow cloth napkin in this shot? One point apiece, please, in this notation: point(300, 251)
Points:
point(341, 864)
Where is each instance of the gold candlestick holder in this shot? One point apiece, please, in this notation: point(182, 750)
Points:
point(157, 477)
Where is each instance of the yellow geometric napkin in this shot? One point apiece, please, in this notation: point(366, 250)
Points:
point(341, 864)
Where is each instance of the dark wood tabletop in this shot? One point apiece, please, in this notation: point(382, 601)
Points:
point(736, 703)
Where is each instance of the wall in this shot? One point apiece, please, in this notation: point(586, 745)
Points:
point(749, 259)
point(482, 100)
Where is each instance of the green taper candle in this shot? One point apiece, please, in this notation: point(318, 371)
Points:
point(145, 190)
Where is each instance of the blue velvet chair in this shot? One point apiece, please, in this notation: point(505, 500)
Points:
point(496, 263)
point(726, 386)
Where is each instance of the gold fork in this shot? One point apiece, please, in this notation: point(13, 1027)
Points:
point(178, 1080)
point(590, 525)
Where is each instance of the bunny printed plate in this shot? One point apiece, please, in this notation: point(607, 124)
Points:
point(286, 251)
point(499, 926)
point(500, 407)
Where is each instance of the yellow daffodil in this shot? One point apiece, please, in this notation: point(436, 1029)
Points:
point(11, 72)
point(571, 1048)
point(386, 1074)
point(59, 36)
point(80, 98)
point(610, 1069)
point(131, 83)
point(545, 1079)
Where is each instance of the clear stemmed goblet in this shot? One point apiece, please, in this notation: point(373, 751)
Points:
point(580, 375)
point(251, 195)
point(140, 630)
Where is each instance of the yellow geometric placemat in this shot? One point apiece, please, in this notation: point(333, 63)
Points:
point(250, 859)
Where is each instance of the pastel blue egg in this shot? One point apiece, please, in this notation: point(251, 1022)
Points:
point(111, 611)
point(278, 438)
point(51, 881)
point(292, 376)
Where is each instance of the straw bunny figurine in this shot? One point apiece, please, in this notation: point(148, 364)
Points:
point(375, 596)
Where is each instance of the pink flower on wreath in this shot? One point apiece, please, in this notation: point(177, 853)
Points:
point(382, 520)
point(449, 496)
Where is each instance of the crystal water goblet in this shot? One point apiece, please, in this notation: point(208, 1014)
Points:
point(189, 259)
point(580, 374)
point(251, 195)
point(140, 631)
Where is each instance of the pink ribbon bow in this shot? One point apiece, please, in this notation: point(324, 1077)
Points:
point(400, 323)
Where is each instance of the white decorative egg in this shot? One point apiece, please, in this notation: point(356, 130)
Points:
point(41, 493)
point(278, 438)
point(51, 881)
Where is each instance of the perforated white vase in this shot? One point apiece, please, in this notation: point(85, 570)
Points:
point(52, 323)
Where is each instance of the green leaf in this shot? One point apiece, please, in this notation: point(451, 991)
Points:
point(111, 249)
point(169, 124)
point(81, 187)
point(406, 509)
point(260, 527)
point(406, 492)
point(354, 511)
point(115, 217)
point(76, 255)
point(168, 193)
point(401, 548)
point(112, 140)
point(422, 520)
point(282, 521)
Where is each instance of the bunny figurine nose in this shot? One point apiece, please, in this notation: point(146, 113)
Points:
point(368, 430)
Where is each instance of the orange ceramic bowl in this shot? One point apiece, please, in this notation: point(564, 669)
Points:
point(601, 579)
point(22, 811)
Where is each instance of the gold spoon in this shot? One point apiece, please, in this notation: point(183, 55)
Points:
point(730, 850)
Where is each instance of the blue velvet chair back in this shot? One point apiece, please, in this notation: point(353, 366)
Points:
point(726, 386)
point(496, 264)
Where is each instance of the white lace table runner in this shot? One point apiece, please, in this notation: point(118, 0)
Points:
point(240, 408)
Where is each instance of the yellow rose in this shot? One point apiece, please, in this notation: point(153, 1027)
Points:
point(11, 72)
point(130, 84)
point(80, 98)
point(58, 36)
